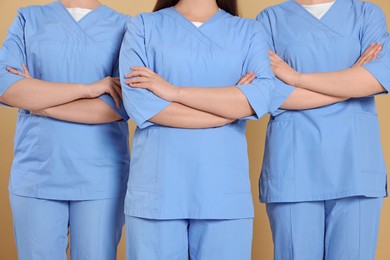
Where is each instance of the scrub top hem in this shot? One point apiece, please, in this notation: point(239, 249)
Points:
point(333, 196)
point(155, 214)
point(75, 197)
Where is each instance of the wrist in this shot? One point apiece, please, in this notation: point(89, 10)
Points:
point(178, 94)
point(298, 79)
point(85, 90)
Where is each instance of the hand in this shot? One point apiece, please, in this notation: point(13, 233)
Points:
point(108, 85)
point(283, 71)
point(246, 79)
point(142, 77)
point(25, 74)
point(370, 54)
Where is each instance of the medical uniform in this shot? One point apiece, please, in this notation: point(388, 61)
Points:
point(324, 175)
point(190, 187)
point(66, 173)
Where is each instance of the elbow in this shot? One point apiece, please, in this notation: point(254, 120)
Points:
point(6, 101)
point(239, 114)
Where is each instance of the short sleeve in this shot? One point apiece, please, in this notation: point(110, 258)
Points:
point(110, 101)
point(140, 104)
point(375, 30)
point(13, 53)
point(282, 90)
point(380, 67)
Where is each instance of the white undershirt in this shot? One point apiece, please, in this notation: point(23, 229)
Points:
point(318, 10)
point(197, 24)
point(78, 13)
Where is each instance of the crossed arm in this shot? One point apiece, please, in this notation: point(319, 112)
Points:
point(69, 102)
point(230, 103)
point(354, 82)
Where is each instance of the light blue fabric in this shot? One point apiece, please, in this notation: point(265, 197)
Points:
point(41, 228)
point(180, 238)
point(192, 173)
point(56, 159)
point(334, 151)
point(331, 230)
point(380, 67)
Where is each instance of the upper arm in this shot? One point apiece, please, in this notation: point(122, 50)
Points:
point(266, 93)
point(140, 104)
point(375, 30)
point(282, 90)
point(13, 53)
point(374, 26)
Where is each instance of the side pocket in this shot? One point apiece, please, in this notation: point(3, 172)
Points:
point(369, 152)
point(144, 160)
point(278, 160)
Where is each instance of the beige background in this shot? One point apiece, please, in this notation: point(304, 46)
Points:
point(262, 243)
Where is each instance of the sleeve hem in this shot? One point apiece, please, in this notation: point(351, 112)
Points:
point(380, 71)
point(257, 101)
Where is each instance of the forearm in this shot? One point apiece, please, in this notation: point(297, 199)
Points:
point(181, 116)
point(227, 102)
point(351, 83)
point(33, 94)
point(84, 111)
point(305, 99)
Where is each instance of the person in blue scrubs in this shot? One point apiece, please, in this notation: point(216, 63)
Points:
point(324, 175)
point(188, 192)
point(66, 176)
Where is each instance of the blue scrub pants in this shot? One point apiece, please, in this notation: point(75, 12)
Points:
point(41, 228)
point(333, 230)
point(180, 239)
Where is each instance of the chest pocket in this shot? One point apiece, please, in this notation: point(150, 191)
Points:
point(76, 62)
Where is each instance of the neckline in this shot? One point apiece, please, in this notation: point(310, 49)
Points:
point(212, 18)
point(324, 17)
point(319, 5)
point(92, 11)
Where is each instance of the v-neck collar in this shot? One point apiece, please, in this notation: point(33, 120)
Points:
point(197, 32)
point(185, 19)
point(320, 19)
point(91, 13)
point(325, 23)
point(70, 22)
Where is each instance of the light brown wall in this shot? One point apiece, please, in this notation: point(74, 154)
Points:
point(262, 244)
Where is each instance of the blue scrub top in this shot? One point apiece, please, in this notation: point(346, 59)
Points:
point(334, 151)
point(193, 173)
point(56, 159)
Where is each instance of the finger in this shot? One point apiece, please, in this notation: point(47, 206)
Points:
point(271, 52)
point(118, 90)
point(145, 69)
point(116, 98)
point(139, 73)
point(137, 80)
point(248, 79)
point(272, 58)
point(243, 79)
point(274, 55)
point(376, 53)
point(15, 71)
point(367, 54)
point(117, 81)
point(26, 71)
point(138, 85)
